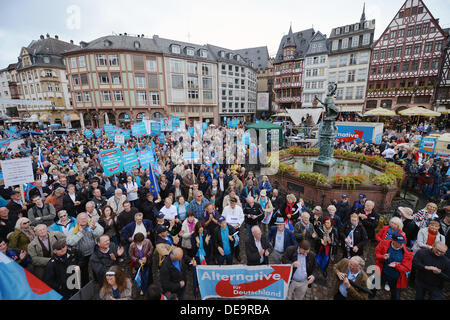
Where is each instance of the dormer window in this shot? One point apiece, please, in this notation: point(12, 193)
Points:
point(203, 53)
point(222, 54)
point(230, 56)
point(347, 28)
point(176, 49)
point(189, 51)
point(137, 44)
point(107, 43)
point(356, 27)
point(338, 30)
point(238, 58)
point(46, 59)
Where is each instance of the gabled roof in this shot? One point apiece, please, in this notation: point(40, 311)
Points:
point(298, 39)
point(258, 55)
point(215, 50)
point(320, 39)
point(165, 46)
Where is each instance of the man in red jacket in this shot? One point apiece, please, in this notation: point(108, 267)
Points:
point(394, 261)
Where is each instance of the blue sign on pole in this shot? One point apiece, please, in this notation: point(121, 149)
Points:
point(111, 161)
point(98, 132)
point(145, 158)
point(130, 160)
point(427, 145)
point(88, 133)
point(155, 128)
point(138, 129)
point(175, 123)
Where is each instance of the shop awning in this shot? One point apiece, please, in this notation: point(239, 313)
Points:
point(298, 114)
point(74, 116)
point(350, 108)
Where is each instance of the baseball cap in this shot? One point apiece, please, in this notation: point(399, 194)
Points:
point(344, 196)
point(397, 237)
point(222, 219)
point(160, 215)
point(362, 195)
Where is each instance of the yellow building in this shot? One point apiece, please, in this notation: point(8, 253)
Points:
point(41, 75)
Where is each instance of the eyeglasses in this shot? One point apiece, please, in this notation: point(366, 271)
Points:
point(63, 216)
point(28, 222)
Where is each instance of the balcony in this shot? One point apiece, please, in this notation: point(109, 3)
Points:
point(404, 91)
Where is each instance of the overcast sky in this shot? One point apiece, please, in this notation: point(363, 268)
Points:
point(233, 24)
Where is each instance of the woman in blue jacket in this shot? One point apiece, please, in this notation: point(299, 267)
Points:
point(64, 224)
point(182, 208)
point(265, 184)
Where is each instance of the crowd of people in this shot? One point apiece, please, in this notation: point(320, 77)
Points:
point(75, 215)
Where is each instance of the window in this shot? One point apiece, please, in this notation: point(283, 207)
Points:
point(73, 63)
point(139, 80)
point(138, 62)
point(398, 52)
point(338, 30)
point(207, 95)
point(434, 64)
point(103, 78)
point(355, 41)
point(118, 95)
point(335, 45)
point(333, 62)
point(78, 97)
point(428, 47)
point(115, 78)
point(113, 59)
point(75, 80)
point(314, 72)
point(190, 51)
point(438, 46)
point(106, 96)
point(192, 67)
point(359, 92)
point(382, 54)
point(154, 98)
point(408, 50)
point(308, 73)
point(56, 87)
point(81, 62)
point(193, 94)
point(418, 29)
point(203, 53)
point(386, 36)
point(388, 68)
point(341, 77)
point(351, 76)
point(405, 66)
point(362, 74)
point(177, 81)
point(356, 27)
point(347, 28)
point(417, 48)
point(101, 60)
point(150, 64)
point(323, 59)
point(380, 69)
point(390, 53)
point(364, 57)
point(401, 33)
point(375, 55)
point(339, 93)
point(410, 31)
point(395, 68)
point(207, 83)
point(344, 43)
point(425, 28)
point(142, 98)
point(349, 93)
point(353, 58)
point(192, 82)
point(84, 79)
point(425, 65)
point(176, 49)
point(332, 77)
point(366, 39)
point(343, 61)
point(153, 81)
point(205, 69)
point(176, 66)
point(87, 96)
point(393, 34)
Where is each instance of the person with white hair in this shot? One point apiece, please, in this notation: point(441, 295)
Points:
point(395, 225)
point(257, 248)
point(304, 229)
point(40, 248)
point(22, 236)
point(348, 270)
point(116, 201)
point(369, 218)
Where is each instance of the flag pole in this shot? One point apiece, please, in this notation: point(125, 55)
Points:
point(22, 193)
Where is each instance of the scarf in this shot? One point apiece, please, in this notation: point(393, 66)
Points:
point(263, 202)
point(29, 233)
point(191, 226)
point(289, 208)
point(431, 238)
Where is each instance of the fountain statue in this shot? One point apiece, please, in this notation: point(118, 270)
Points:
point(327, 132)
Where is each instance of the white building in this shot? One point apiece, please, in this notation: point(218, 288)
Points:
point(315, 70)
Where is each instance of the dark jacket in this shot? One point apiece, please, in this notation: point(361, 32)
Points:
point(289, 239)
point(300, 229)
point(254, 192)
point(170, 276)
point(56, 274)
point(359, 236)
point(206, 246)
point(148, 209)
point(253, 257)
point(15, 209)
point(217, 242)
point(125, 218)
point(35, 191)
point(425, 257)
point(101, 262)
point(290, 256)
point(8, 227)
point(370, 223)
point(70, 207)
point(255, 210)
point(343, 211)
point(99, 204)
point(128, 230)
point(147, 251)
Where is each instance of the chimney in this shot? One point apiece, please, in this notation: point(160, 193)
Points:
point(142, 35)
point(125, 34)
point(48, 36)
point(71, 41)
point(56, 37)
point(42, 36)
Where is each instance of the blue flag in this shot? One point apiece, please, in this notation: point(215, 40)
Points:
point(138, 277)
point(154, 187)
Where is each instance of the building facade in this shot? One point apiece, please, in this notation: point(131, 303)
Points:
point(288, 69)
point(348, 62)
point(237, 85)
point(5, 93)
point(117, 80)
point(41, 75)
point(264, 74)
point(406, 59)
point(191, 80)
point(442, 96)
point(315, 70)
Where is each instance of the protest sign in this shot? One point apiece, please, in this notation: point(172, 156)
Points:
point(111, 161)
point(130, 160)
point(17, 171)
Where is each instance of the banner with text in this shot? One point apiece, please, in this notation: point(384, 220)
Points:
point(111, 161)
point(248, 282)
point(130, 160)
